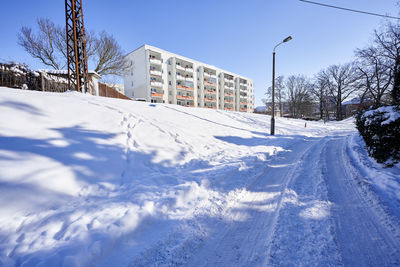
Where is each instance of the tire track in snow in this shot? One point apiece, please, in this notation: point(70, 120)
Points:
point(363, 236)
point(246, 240)
point(304, 235)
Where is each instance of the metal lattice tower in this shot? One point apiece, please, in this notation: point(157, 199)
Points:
point(76, 46)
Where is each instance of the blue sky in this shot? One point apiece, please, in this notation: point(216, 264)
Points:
point(234, 35)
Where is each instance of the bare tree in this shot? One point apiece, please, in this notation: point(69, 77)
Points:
point(342, 83)
point(298, 95)
point(280, 93)
point(319, 90)
point(43, 44)
point(48, 45)
point(377, 64)
point(376, 75)
point(108, 56)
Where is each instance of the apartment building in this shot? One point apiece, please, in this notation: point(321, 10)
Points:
point(159, 76)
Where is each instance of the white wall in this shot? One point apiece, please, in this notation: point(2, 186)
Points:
point(135, 77)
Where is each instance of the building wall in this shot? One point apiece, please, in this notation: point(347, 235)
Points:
point(135, 78)
point(154, 76)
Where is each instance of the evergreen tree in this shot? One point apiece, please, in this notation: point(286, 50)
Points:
point(396, 83)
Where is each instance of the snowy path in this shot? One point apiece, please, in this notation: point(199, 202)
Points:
point(246, 241)
point(314, 216)
point(365, 235)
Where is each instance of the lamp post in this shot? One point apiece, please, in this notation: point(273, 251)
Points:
point(287, 39)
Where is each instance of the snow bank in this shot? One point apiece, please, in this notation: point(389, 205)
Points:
point(92, 180)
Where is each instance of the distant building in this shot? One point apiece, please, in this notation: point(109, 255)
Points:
point(351, 107)
point(159, 76)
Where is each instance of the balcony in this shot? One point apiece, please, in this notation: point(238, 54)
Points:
point(156, 94)
point(184, 87)
point(226, 108)
point(210, 107)
point(188, 69)
point(209, 91)
point(243, 109)
point(182, 78)
point(228, 101)
point(209, 83)
point(155, 83)
point(228, 80)
point(155, 61)
point(242, 102)
point(185, 97)
point(210, 99)
point(155, 72)
point(228, 94)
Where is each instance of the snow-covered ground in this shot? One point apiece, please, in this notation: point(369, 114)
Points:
point(91, 181)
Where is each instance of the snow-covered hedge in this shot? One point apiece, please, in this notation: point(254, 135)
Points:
point(380, 129)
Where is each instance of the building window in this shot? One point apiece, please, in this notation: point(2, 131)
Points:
point(169, 73)
point(132, 84)
point(170, 83)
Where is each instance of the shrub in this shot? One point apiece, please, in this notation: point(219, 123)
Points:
point(380, 129)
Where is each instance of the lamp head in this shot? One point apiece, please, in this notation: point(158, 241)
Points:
point(287, 39)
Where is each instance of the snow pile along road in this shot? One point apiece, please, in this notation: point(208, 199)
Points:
point(105, 182)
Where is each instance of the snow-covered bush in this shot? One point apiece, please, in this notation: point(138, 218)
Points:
point(380, 129)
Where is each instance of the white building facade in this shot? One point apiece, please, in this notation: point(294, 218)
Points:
point(158, 76)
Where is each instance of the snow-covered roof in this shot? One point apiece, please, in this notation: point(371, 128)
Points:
point(65, 72)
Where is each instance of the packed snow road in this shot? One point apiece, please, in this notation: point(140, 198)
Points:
point(91, 181)
point(313, 213)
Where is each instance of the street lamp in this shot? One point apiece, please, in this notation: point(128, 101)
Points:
point(287, 39)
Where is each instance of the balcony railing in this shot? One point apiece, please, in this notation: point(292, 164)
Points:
point(210, 107)
point(209, 91)
point(209, 83)
point(184, 87)
point(228, 80)
point(243, 109)
point(155, 61)
point(186, 97)
point(226, 108)
point(180, 77)
point(228, 101)
point(155, 72)
point(155, 83)
point(156, 94)
point(210, 99)
point(209, 75)
point(179, 67)
point(228, 94)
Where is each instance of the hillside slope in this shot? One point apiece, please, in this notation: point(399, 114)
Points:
point(105, 182)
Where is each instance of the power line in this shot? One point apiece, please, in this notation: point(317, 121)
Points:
point(348, 9)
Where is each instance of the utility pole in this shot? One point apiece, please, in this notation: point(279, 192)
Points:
point(78, 78)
